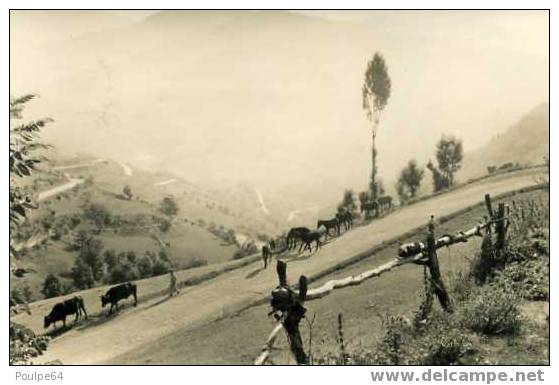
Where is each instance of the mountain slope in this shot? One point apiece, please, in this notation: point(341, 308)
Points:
point(276, 96)
point(526, 142)
point(236, 289)
point(209, 228)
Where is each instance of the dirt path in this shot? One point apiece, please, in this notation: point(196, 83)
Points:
point(72, 182)
point(236, 289)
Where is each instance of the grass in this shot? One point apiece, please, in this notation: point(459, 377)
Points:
point(237, 339)
point(148, 289)
point(187, 241)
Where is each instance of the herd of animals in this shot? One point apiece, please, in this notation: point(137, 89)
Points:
point(324, 227)
point(75, 305)
point(303, 235)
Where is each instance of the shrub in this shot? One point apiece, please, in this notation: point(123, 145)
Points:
point(485, 262)
point(98, 214)
point(444, 346)
point(194, 262)
point(390, 350)
point(491, 311)
point(24, 344)
point(530, 279)
point(82, 275)
point(164, 225)
point(110, 258)
point(16, 295)
point(51, 287)
point(145, 266)
point(461, 286)
point(122, 273)
point(28, 294)
point(161, 267)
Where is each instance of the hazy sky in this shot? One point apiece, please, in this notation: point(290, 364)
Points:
point(275, 97)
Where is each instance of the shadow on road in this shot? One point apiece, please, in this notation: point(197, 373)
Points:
point(91, 321)
point(254, 273)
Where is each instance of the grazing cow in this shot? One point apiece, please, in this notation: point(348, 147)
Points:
point(116, 293)
point(266, 255)
point(295, 234)
point(61, 310)
point(367, 207)
point(308, 239)
point(385, 202)
point(329, 224)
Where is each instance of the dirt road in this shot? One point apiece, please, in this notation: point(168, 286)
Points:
point(72, 182)
point(236, 289)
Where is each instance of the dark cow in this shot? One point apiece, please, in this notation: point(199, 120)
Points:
point(116, 293)
point(61, 310)
point(295, 234)
point(329, 224)
point(307, 240)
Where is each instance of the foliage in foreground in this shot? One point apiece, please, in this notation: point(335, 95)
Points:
point(487, 299)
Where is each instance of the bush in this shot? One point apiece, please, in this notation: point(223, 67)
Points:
point(97, 214)
point(194, 262)
point(82, 275)
point(145, 266)
point(24, 344)
point(445, 345)
point(17, 296)
point(245, 251)
point(441, 343)
point(530, 279)
point(28, 294)
point(51, 287)
point(164, 225)
point(122, 273)
point(491, 311)
point(461, 286)
point(161, 267)
point(485, 262)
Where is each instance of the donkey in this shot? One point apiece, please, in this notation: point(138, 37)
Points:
point(308, 239)
point(296, 233)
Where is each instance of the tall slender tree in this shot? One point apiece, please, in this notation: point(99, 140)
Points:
point(376, 91)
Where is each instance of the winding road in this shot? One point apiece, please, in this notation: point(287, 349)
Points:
point(234, 290)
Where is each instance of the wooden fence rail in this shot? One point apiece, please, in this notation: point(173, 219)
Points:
point(419, 255)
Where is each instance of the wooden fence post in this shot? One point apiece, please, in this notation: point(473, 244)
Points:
point(341, 338)
point(290, 306)
point(501, 228)
point(488, 205)
point(433, 263)
point(416, 252)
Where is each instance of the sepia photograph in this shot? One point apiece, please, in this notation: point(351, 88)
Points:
point(279, 187)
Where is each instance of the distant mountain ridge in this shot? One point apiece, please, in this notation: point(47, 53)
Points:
point(526, 142)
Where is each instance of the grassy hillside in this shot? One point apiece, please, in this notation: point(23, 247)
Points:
point(200, 233)
point(526, 142)
point(238, 338)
